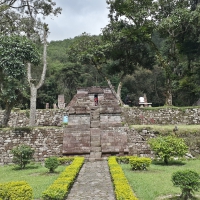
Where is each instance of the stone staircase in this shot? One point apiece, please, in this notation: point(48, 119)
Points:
point(95, 137)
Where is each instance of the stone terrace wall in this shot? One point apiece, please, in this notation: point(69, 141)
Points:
point(54, 117)
point(44, 117)
point(46, 142)
point(161, 116)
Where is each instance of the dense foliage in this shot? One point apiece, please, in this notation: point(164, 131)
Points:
point(139, 163)
point(122, 188)
point(188, 181)
point(166, 147)
point(51, 163)
point(149, 47)
point(22, 155)
point(59, 189)
point(16, 190)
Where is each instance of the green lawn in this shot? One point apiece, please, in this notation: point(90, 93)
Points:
point(36, 175)
point(165, 129)
point(156, 181)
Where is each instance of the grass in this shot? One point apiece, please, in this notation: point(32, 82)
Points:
point(155, 183)
point(34, 174)
point(183, 108)
point(165, 129)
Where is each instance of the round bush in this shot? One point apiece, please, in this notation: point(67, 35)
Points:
point(51, 163)
point(188, 181)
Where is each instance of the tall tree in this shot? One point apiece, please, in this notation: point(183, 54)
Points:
point(26, 14)
point(178, 24)
point(125, 52)
point(91, 50)
point(129, 32)
point(32, 82)
point(15, 52)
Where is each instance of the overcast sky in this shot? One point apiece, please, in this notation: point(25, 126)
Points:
point(78, 16)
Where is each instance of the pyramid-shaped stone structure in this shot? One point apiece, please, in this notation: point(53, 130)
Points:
point(94, 131)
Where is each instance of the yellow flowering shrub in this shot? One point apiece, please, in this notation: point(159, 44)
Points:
point(18, 190)
point(60, 187)
point(122, 188)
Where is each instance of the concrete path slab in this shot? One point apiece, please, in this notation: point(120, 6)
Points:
point(93, 183)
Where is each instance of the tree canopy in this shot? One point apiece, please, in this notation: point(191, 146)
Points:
point(148, 47)
point(15, 53)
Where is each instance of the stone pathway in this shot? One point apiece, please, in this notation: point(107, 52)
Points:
point(93, 183)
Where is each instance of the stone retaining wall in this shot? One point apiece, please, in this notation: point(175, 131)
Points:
point(46, 142)
point(49, 142)
point(44, 117)
point(54, 117)
point(161, 116)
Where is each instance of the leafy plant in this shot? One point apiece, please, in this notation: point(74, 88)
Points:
point(168, 146)
point(16, 190)
point(139, 163)
point(52, 163)
point(61, 186)
point(65, 160)
point(122, 188)
point(22, 155)
point(188, 181)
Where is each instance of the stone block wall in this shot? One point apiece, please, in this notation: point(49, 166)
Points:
point(46, 142)
point(161, 116)
point(54, 117)
point(79, 119)
point(44, 117)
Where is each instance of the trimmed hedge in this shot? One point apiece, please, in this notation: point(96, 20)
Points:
point(122, 188)
point(123, 159)
point(65, 160)
point(17, 190)
point(139, 163)
point(61, 186)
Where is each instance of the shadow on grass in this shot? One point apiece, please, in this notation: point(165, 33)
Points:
point(44, 174)
point(171, 163)
point(26, 167)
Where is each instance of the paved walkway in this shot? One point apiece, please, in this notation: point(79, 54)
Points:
point(93, 183)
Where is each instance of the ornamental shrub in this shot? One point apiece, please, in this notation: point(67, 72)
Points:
point(122, 188)
point(51, 163)
point(65, 160)
point(166, 147)
point(17, 190)
point(188, 181)
point(61, 186)
point(123, 159)
point(139, 163)
point(22, 155)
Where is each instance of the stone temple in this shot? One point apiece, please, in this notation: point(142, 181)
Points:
point(95, 131)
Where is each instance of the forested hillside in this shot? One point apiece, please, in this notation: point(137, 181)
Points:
point(149, 47)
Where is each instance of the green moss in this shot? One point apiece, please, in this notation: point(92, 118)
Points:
point(26, 129)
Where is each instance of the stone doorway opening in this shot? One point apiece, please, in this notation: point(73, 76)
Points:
point(96, 101)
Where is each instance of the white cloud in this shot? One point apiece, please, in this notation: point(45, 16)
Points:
point(78, 16)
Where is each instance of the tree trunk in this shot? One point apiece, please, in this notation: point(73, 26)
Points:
point(168, 100)
point(33, 98)
point(113, 90)
point(32, 84)
point(166, 161)
point(119, 88)
point(6, 114)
